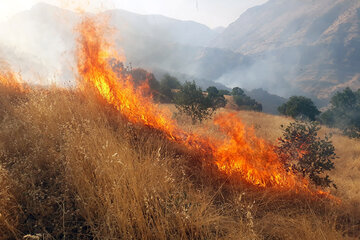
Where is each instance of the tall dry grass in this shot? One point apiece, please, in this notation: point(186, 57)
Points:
point(73, 168)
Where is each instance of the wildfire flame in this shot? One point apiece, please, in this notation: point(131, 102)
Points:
point(241, 152)
point(10, 79)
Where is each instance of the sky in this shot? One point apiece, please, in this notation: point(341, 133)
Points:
point(213, 13)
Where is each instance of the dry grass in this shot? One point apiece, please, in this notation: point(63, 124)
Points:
point(73, 168)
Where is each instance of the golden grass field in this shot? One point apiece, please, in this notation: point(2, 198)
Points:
point(73, 168)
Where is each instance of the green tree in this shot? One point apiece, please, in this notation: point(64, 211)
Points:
point(299, 106)
point(167, 85)
point(170, 81)
point(191, 101)
point(303, 152)
point(344, 112)
point(216, 98)
point(236, 91)
point(224, 92)
point(245, 102)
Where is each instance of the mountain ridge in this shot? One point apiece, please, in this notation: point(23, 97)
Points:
point(305, 53)
point(309, 45)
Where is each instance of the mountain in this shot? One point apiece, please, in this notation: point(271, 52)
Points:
point(269, 102)
point(153, 42)
point(161, 28)
point(310, 47)
point(286, 47)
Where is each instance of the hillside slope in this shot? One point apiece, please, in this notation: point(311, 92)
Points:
point(72, 166)
point(312, 45)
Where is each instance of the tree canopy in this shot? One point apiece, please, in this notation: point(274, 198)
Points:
point(299, 107)
point(245, 102)
point(191, 101)
point(216, 98)
point(344, 112)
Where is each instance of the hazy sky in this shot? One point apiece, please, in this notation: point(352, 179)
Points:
point(210, 12)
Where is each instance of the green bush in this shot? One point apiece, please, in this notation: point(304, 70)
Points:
point(302, 151)
point(236, 91)
point(191, 101)
point(244, 102)
point(299, 107)
point(216, 98)
point(344, 112)
point(167, 85)
point(224, 92)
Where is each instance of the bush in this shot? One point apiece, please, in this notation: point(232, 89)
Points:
point(171, 82)
point(299, 107)
point(244, 102)
point(302, 151)
point(167, 84)
point(217, 99)
point(191, 101)
point(236, 91)
point(344, 112)
point(224, 92)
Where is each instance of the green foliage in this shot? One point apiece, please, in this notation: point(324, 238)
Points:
point(191, 101)
point(224, 92)
point(299, 107)
point(216, 98)
point(236, 91)
point(167, 84)
point(247, 103)
point(171, 82)
point(244, 102)
point(302, 151)
point(344, 112)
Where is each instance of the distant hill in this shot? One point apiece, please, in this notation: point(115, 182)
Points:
point(161, 28)
point(154, 42)
point(286, 47)
point(298, 44)
point(269, 102)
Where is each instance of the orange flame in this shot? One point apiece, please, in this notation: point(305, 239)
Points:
point(119, 91)
point(241, 152)
point(11, 80)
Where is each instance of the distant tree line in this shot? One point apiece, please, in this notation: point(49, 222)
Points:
point(188, 98)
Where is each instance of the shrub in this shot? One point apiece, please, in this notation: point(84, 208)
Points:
point(244, 102)
point(167, 84)
point(224, 92)
point(299, 106)
point(170, 81)
point(217, 99)
point(302, 151)
point(247, 103)
point(344, 112)
point(236, 91)
point(191, 101)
